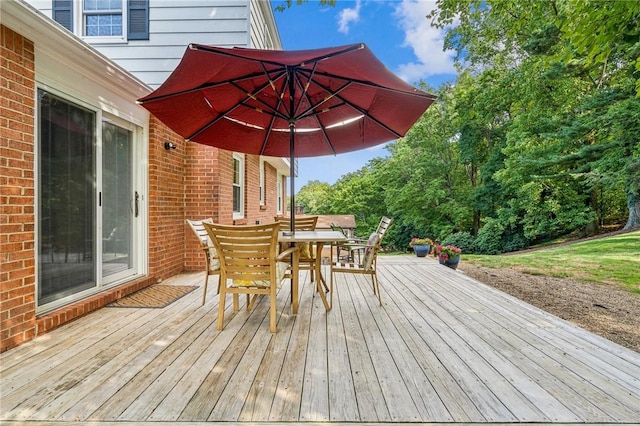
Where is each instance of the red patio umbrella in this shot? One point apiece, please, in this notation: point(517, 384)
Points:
point(286, 103)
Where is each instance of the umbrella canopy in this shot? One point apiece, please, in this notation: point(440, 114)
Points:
point(286, 103)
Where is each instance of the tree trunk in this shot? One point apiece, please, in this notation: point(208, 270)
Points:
point(476, 222)
point(633, 204)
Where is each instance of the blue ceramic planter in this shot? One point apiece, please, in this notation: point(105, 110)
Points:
point(421, 250)
point(451, 263)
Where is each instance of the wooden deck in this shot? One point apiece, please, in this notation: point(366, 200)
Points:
point(443, 348)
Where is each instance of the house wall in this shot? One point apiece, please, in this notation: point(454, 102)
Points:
point(191, 181)
point(173, 24)
point(17, 219)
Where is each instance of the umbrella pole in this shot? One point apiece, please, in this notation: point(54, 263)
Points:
point(292, 172)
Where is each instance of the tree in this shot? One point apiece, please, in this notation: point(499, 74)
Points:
point(549, 64)
point(314, 197)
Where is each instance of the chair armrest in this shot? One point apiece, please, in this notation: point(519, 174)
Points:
point(207, 250)
point(287, 252)
point(357, 241)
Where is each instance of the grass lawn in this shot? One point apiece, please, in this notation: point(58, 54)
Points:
point(608, 260)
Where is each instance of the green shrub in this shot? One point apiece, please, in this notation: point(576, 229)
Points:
point(463, 240)
point(489, 240)
point(514, 242)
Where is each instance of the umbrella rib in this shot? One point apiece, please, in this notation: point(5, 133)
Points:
point(208, 86)
point(273, 118)
point(415, 92)
point(312, 108)
point(363, 112)
point(253, 96)
point(239, 104)
point(304, 86)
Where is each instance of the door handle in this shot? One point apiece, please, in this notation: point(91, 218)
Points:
point(137, 204)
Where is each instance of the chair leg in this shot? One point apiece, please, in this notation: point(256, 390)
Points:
point(206, 282)
point(295, 288)
point(272, 312)
point(236, 303)
point(331, 286)
point(221, 303)
point(376, 287)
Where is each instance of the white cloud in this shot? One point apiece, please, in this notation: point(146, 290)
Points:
point(426, 41)
point(348, 16)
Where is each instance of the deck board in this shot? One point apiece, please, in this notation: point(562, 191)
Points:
point(443, 348)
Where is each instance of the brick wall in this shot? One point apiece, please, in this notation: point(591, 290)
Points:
point(17, 255)
point(166, 201)
point(191, 181)
point(202, 185)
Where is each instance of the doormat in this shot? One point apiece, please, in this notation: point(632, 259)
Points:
point(156, 296)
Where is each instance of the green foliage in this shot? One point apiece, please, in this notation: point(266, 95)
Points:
point(489, 239)
point(284, 5)
point(464, 240)
point(538, 138)
point(314, 197)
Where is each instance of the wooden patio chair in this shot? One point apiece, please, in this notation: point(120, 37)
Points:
point(307, 250)
point(210, 254)
point(250, 264)
point(369, 258)
point(352, 246)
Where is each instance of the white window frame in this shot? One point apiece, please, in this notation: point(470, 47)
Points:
point(238, 214)
point(79, 15)
point(280, 192)
point(262, 183)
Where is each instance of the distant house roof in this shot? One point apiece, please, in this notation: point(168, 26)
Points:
point(346, 221)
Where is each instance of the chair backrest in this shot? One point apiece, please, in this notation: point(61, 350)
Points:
point(205, 243)
point(374, 242)
point(338, 228)
point(201, 233)
point(246, 252)
point(304, 223)
point(383, 226)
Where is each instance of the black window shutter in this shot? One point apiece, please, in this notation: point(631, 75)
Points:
point(63, 13)
point(138, 20)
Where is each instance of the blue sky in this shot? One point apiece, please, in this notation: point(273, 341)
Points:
point(397, 32)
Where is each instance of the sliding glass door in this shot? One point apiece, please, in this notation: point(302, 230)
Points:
point(88, 205)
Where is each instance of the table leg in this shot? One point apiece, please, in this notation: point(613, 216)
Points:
point(321, 284)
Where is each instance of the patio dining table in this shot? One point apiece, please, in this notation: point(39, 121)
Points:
point(319, 239)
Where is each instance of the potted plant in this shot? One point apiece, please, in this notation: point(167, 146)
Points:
point(421, 246)
point(448, 255)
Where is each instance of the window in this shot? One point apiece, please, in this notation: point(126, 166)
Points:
point(238, 186)
point(262, 187)
point(104, 18)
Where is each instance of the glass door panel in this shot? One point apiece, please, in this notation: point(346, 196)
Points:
point(66, 243)
point(119, 201)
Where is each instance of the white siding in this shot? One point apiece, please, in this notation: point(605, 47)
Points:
point(173, 24)
point(263, 31)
